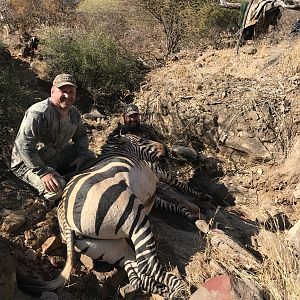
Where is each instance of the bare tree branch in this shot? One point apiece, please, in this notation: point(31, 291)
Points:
point(230, 5)
point(294, 5)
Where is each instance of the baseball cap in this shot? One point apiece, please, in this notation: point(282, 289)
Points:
point(131, 109)
point(64, 79)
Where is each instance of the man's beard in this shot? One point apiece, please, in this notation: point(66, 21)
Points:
point(132, 125)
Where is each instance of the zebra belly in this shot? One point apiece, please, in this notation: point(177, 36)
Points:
point(114, 252)
point(105, 207)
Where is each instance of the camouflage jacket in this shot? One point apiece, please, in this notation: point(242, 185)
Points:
point(43, 127)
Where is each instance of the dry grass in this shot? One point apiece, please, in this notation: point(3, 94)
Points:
point(290, 64)
point(279, 274)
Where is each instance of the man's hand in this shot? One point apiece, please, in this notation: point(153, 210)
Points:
point(50, 182)
point(78, 162)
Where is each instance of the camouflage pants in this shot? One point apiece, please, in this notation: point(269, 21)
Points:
point(36, 182)
point(58, 162)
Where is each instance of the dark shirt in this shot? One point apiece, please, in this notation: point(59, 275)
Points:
point(143, 130)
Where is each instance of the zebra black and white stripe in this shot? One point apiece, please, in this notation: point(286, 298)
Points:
point(152, 153)
point(108, 204)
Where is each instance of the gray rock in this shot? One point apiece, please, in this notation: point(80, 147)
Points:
point(247, 290)
point(202, 226)
point(249, 50)
point(51, 244)
point(296, 193)
point(203, 294)
point(251, 146)
point(93, 115)
point(87, 261)
point(229, 288)
point(184, 153)
point(293, 235)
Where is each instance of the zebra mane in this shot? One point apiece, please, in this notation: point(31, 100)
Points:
point(131, 144)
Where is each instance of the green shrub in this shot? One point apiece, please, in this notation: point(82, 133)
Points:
point(99, 65)
point(207, 20)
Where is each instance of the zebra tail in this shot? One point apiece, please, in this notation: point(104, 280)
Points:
point(34, 286)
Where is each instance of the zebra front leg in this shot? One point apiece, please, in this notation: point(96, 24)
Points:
point(173, 181)
point(145, 250)
point(175, 208)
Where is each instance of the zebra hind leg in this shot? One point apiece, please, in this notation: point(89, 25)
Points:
point(119, 252)
point(145, 250)
point(143, 282)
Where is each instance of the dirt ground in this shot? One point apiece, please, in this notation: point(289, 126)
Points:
point(250, 187)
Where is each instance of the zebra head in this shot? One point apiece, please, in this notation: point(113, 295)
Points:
point(144, 149)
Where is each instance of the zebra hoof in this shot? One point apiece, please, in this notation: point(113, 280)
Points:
point(127, 290)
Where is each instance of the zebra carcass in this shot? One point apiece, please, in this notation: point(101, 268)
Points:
point(104, 213)
point(258, 15)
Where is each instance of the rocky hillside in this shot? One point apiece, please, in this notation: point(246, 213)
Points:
point(241, 114)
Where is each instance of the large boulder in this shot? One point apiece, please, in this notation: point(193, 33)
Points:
point(227, 287)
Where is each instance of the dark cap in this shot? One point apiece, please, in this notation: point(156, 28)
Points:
point(131, 109)
point(64, 79)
